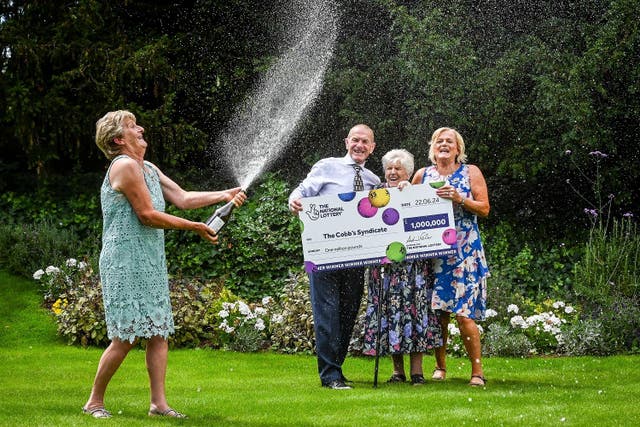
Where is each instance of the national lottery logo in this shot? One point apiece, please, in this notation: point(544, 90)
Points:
point(315, 212)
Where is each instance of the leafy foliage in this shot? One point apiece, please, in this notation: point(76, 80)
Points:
point(256, 249)
point(521, 267)
point(607, 281)
point(292, 322)
point(23, 246)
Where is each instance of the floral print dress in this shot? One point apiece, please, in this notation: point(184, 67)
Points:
point(408, 325)
point(460, 285)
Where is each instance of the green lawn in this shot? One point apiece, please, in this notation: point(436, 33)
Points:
point(44, 382)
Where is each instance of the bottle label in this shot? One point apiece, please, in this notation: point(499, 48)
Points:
point(216, 224)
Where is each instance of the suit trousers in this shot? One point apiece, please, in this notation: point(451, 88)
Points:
point(335, 300)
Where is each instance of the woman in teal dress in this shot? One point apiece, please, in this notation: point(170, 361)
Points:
point(407, 323)
point(460, 284)
point(133, 268)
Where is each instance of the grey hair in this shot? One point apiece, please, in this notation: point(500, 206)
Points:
point(399, 155)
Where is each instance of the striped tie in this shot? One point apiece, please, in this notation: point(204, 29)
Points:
point(358, 185)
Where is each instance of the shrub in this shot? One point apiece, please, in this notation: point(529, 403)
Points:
point(193, 316)
point(24, 246)
point(583, 338)
point(58, 281)
point(292, 317)
point(242, 327)
point(73, 293)
point(500, 340)
point(50, 205)
point(80, 316)
point(619, 324)
point(256, 250)
point(607, 278)
point(611, 264)
point(533, 269)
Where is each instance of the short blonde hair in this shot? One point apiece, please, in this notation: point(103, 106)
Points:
point(461, 157)
point(110, 127)
point(399, 155)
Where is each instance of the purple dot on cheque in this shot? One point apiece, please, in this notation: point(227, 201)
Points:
point(449, 236)
point(366, 209)
point(347, 197)
point(309, 267)
point(390, 216)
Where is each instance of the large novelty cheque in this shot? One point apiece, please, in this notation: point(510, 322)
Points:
point(376, 227)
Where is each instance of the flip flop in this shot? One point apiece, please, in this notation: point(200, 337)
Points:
point(482, 378)
point(439, 374)
point(169, 412)
point(97, 412)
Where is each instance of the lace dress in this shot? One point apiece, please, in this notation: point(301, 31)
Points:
point(133, 267)
point(408, 324)
point(460, 285)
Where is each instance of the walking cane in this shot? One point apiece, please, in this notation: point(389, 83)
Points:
point(379, 314)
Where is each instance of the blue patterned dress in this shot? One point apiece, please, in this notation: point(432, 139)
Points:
point(133, 268)
point(460, 285)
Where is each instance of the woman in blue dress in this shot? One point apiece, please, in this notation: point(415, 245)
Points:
point(133, 268)
point(461, 279)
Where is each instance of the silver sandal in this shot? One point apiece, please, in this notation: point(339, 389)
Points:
point(97, 412)
point(169, 412)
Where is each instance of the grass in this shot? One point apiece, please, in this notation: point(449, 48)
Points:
point(44, 382)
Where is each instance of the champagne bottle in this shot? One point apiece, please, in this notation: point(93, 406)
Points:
point(220, 217)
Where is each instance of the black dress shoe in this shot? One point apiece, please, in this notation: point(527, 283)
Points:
point(337, 385)
point(417, 379)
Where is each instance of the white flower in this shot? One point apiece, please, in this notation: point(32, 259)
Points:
point(512, 308)
point(568, 309)
point(480, 329)
point(223, 314)
point(244, 308)
point(38, 274)
point(82, 265)
point(267, 300)
point(259, 325)
point(558, 304)
point(260, 311)
point(518, 321)
point(71, 262)
point(453, 330)
point(225, 327)
point(491, 313)
point(228, 306)
point(52, 270)
point(277, 318)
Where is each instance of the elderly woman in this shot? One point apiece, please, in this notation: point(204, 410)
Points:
point(133, 267)
point(460, 279)
point(408, 325)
